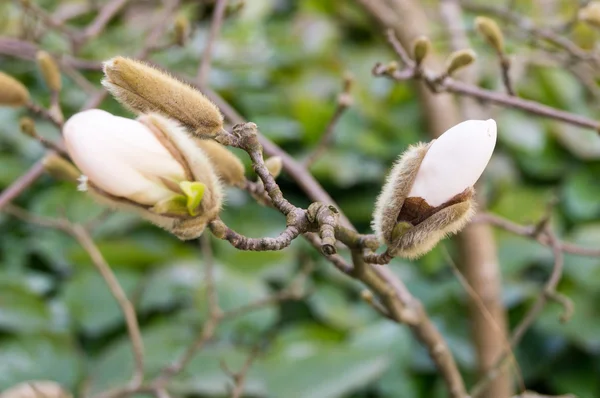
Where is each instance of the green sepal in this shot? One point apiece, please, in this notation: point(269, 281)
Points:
point(194, 192)
point(175, 205)
point(400, 229)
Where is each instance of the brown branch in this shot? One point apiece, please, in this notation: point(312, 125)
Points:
point(21, 184)
point(215, 27)
point(526, 25)
point(105, 15)
point(548, 293)
point(85, 240)
point(528, 232)
point(133, 329)
point(454, 86)
point(241, 242)
point(344, 101)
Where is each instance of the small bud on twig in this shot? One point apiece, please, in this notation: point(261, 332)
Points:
point(421, 48)
point(490, 30)
point(590, 14)
point(145, 89)
point(182, 30)
point(60, 168)
point(27, 126)
point(274, 165)
point(459, 59)
point(12, 91)
point(50, 71)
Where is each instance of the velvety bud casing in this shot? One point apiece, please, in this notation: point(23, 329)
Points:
point(429, 192)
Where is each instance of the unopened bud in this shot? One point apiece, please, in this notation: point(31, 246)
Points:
point(60, 168)
point(490, 30)
point(27, 126)
point(421, 48)
point(429, 192)
point(228, 166)
point(459, 59)
point(591, 14)
point(50, 71)
point(367, 295)
point(182, 30)
point(36, 389)
point(145, 89)
point(12, 92)
point(274, 165)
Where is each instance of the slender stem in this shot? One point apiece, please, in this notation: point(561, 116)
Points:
point(215, 27)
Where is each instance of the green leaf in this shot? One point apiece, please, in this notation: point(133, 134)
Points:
point(90, 303)
point(21, 310)
point(39, 357)
point(582, 195)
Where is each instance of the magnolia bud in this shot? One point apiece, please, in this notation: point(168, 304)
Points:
point(490, 30)
point(150, 166)
point(182, 30)
point(145, 89)
point(591, 14)
point(421, 48)
point(49, 70)
point(274, 165)
point(12, 92)
point(459, 59)
point(27, 126)
point(228, 166)
point(429, 192)
point(60, 168)
point(36, 389)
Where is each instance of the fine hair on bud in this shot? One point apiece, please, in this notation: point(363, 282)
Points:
point(12, 91)
point(36, 389)
point(60, 168)
point(396, 189)
point(228, 166)
point(490, 30)
point(50, 71)
point(421, 48)
point(460, 59)
point(590, 14)
point(170, 133)
point(274, 165)
point(145, 89)
point(27, 126)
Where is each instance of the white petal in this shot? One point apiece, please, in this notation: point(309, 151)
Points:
point(455, 161)
point(120, 156)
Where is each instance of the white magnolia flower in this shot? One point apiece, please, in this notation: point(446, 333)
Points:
point(121, 156)
point(150, 166)
point(429, 192)
point(455, 161)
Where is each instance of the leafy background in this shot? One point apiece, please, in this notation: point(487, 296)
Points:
point(280, 63)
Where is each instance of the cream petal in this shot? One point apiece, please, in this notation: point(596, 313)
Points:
point(120, 156)
point(455, 161)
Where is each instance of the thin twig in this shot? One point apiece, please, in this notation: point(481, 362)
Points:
point(528, 232)
point(215, 27)
point(344, 101)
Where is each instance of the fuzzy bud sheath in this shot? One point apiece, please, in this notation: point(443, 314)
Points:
point(36, 389)
point(145, 89)
point(12, 91)
point(429, 192)
point(229, 167)
point(150, 166)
